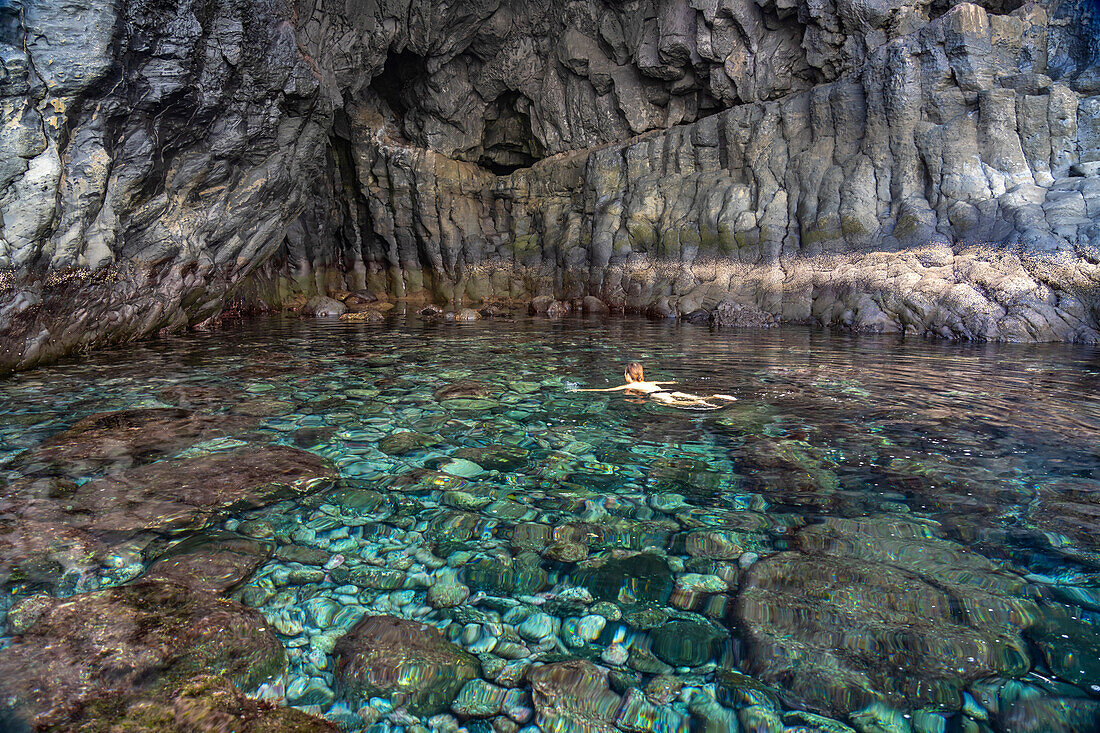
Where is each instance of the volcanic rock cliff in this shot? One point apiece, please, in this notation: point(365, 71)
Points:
point(885, 165)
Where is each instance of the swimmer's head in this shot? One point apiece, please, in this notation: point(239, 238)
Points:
point(634, 372)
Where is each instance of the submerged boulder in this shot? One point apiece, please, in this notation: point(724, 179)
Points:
point(406, 661)
point(405, 441)
point(215, 563)
point(573, 695)
point(880, 612)
point(129, 643)
point(44, 554)
point(466, 389)
point(641, 576)
point(190, 493)
point(126, 437)
point(686, 643)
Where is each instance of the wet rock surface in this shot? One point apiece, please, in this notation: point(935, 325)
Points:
point(191, 492)
point(127, 437)
point(117, 646)
point(211, 562)
point(941, 615)
point(574, 693)
point(405, 660)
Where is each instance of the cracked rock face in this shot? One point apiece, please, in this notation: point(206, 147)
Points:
point(886, 165)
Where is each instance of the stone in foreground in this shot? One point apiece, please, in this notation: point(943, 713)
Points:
point(573, 696)
point(128, 644)
point(408, 662)
point(841, 633)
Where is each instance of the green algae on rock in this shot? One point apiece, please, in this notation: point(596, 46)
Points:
point(127, 643)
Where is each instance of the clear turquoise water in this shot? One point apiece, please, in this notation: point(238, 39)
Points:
point(990, 449)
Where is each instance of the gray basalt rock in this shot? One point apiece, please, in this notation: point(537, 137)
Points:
point(885, 166)
point(320, 306)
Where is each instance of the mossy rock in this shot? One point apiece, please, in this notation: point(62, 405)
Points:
point(130, 643)
point(205, 704)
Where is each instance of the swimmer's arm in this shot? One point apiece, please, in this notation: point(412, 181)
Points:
point(622, 386)
point(664, 382)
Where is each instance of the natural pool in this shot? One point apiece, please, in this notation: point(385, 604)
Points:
point(879, 535)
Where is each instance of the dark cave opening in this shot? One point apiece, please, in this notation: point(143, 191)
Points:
point(509, 143)
point(397, 82)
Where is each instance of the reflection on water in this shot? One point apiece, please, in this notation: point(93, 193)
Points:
point(435, 529)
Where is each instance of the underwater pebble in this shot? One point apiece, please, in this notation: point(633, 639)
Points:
point(303, 555)
point(462, 468)
point(696, 583)
point(972, 709)
point(616, 655)
point(589, 627)
point(321, 611)
point(370, 577)
point(878, 717)
point(639, 715)
point(479, 699)
point(487, 643)
point(517, 705)
point(760, 719)
point(491, 665)
point(510, 650)
point(447, 595)
point(537, 626)
point(566, 552)
point(816, 722)
point(347, 545)
point(513, 673)
point(288, 622)
point(667, 503)
point(579, 595)
point(608, 610)
point(926, 722)
point(713, 716)
point(456, 559)
point(325, 642)
point(256, 595)
point(344, 716)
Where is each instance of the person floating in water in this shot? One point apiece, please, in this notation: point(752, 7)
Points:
point(636, 384)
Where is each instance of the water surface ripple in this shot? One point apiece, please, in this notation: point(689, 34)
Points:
point(878, 535)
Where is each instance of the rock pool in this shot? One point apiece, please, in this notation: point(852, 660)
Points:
point(422, 527)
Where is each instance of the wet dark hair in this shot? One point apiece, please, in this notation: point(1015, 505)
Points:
point(634, 372)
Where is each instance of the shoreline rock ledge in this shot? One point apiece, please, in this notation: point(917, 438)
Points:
point(917, 167)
